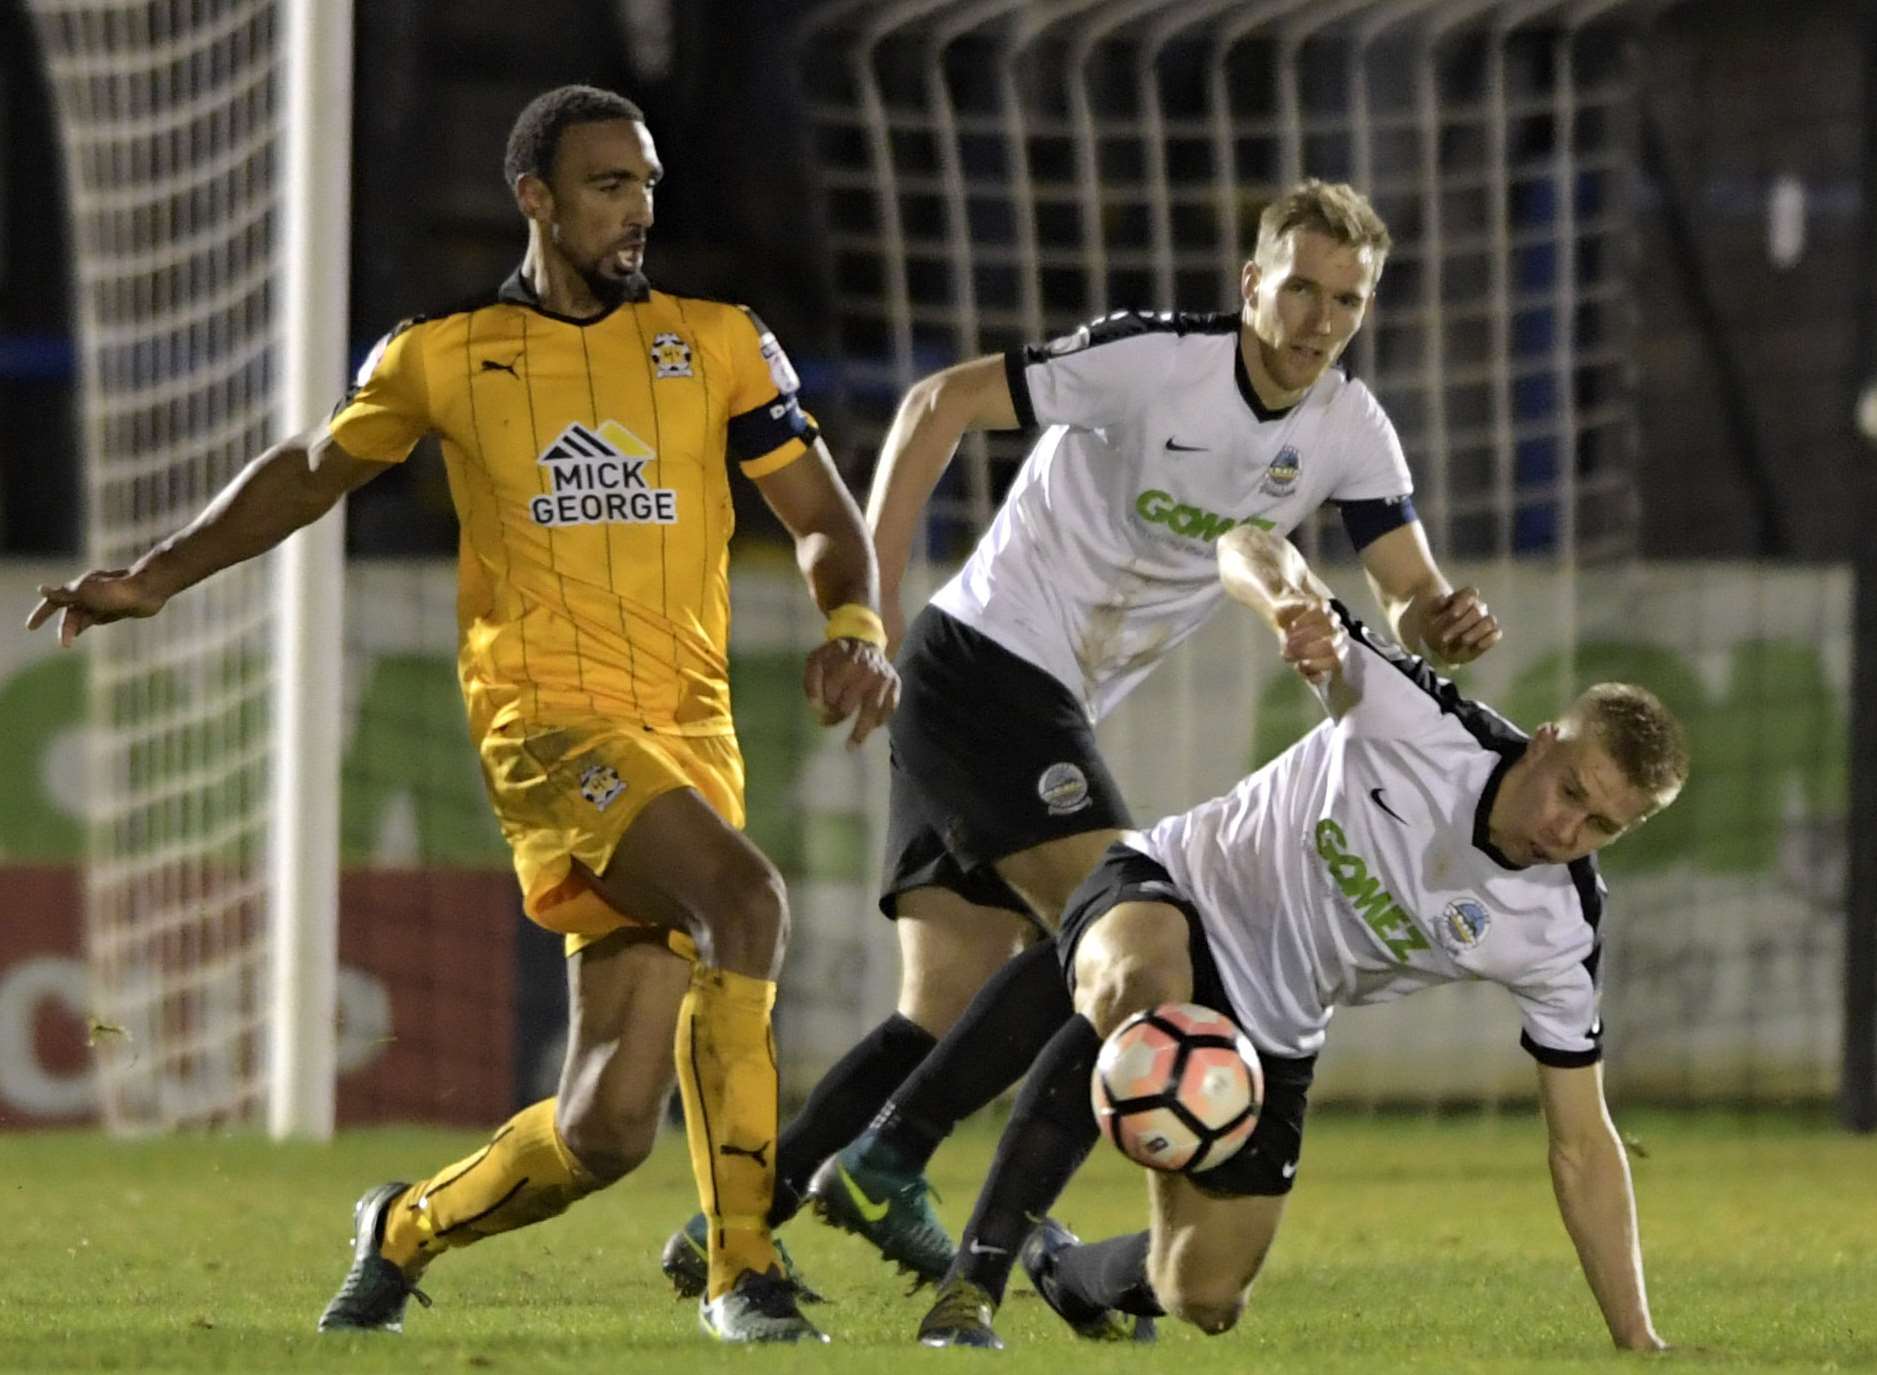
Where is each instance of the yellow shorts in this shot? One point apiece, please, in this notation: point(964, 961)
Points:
point(570, 788)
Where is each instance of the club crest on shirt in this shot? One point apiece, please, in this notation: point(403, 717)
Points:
point(1280, 478)
point(1462, 925)
point(1063, 788)
point(600, 784)
point(671, 356)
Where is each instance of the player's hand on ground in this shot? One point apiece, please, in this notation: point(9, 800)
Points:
point(1461, 627)
point(851, 678)
point(101, 596)
point(1310, 638)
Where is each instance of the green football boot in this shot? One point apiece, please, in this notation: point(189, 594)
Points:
point(961, 1316)
point(869, 1191)
point(757, 1308)
point(1041, 1250)
point(374, 1292)
point(686, 1262)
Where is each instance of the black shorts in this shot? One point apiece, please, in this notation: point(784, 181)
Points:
point(990, 756)
point(1268, 1163)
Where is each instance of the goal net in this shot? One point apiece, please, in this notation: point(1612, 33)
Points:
point(168, 113)
point(993, 172)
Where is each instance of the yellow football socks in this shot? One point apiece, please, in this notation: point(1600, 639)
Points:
point(525, 1174)
point(727, 1073)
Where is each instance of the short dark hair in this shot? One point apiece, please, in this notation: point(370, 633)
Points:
point(535, 139)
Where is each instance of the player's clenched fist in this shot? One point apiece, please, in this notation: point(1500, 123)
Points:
point(100, 597)
point(1311, 638)
point(1460, 627)
point(848, 677)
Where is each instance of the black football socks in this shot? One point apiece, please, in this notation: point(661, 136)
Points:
point(1000, 1034)
point(842, 1104)
point(1050, 1133)
point(1110, 1274)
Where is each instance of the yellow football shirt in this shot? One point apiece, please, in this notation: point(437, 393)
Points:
point(588, 463)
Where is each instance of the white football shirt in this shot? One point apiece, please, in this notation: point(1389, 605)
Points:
point(1101, 558)
point(1356, 868)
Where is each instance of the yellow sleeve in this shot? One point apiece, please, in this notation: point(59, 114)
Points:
point(768, 427)
point(387, 408)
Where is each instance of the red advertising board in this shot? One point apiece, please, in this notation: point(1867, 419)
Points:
point(427, 1020)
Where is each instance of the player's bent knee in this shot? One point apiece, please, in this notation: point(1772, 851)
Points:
point(608, 1152)
point(604, 1168)
point(1203, 1302)
point(1210, 1318)
point(746, 922)
point(1131, 984)
point(1205, 1287)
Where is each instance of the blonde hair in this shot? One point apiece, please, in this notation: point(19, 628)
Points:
point(1334, 208)
point(1641, 736)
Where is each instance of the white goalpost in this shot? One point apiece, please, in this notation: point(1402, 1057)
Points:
point(304, 873)
point(206, 150)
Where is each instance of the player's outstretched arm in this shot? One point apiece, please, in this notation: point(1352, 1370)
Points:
point(849, 674)
point(1266, 573)
point(1427, 616)
point(291, 485)
point(1590, 1175)
point(933, 417)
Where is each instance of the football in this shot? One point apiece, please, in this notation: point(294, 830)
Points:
point(1178, 1087)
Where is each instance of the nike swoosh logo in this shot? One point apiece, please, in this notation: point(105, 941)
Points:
point(869, 1210)
point(1174, 446)
point(1375, 796)
point(978, 1248)
point(1290, 1168)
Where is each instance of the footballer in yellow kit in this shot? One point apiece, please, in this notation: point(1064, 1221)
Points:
point(589, 424)
point(587, 461)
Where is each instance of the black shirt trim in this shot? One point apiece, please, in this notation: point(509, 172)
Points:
point(1250, 393)
point(1589, 883)
point(1109, 329)
point(1488, 727)
point(1485, 725)
point(1501, 737)
point(1367, 521)
point(1482, 814)
point(519, 291)
point(1015, 361)
point(1559, 1059)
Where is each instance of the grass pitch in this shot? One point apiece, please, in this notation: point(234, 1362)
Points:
point(1411, 1243)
